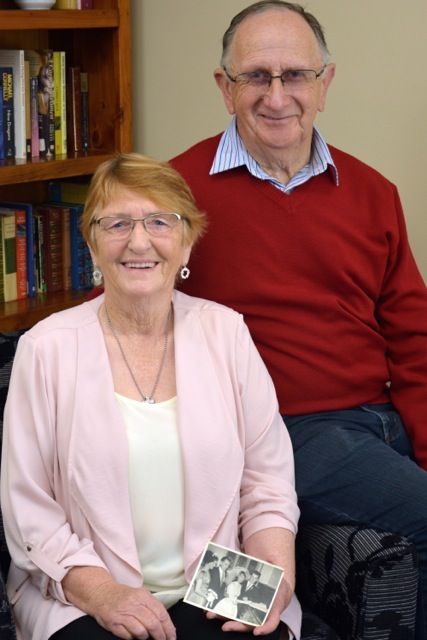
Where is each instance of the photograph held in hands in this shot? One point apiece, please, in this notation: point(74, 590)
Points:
point(234, 585)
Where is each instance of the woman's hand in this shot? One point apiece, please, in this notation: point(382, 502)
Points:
point(131, 613)
point(127, 612)
point(272, 621)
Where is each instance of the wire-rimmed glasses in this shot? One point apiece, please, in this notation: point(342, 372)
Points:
point(291, 78)
point(155, 224)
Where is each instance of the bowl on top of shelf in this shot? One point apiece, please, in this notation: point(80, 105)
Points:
point(35, 4)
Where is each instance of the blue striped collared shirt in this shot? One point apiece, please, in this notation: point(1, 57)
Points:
point(232, 153)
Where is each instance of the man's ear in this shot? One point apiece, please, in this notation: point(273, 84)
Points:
point(224, 85)
point(328, 76)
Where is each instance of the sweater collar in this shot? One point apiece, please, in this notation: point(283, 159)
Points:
point(232, 153)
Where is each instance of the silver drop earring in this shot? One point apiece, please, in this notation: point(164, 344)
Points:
point(97, 276)
point(185, 272)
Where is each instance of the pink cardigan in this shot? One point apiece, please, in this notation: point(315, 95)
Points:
point(64, 467)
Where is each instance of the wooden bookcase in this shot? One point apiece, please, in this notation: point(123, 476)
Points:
point(99, 41)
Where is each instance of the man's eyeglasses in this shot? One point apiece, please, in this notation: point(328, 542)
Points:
point(292, 78)
point(155, 224)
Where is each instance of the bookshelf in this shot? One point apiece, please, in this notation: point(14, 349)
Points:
point(98, 40)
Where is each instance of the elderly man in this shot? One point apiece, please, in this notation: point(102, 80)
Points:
point(310, 245)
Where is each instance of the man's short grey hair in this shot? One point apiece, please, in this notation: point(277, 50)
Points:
point(268, 5)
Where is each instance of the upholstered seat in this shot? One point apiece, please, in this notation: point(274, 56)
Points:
point(354, 583)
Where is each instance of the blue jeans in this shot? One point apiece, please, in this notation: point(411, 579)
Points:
point(356, 466)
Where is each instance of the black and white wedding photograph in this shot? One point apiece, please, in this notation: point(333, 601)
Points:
point(234, 585)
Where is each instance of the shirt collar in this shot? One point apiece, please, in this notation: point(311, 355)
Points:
point(232, 153)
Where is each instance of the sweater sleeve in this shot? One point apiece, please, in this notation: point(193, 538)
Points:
point(402, 315)
point(267, 495)
point(40, 539)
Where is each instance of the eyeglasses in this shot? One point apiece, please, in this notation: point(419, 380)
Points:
point(155, 224)
point(292, 78)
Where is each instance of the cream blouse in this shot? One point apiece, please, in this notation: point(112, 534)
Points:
point(156, 488)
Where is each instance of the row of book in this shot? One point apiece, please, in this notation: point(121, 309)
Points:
point(73, 4)
point(42, 248)
point(44, 105)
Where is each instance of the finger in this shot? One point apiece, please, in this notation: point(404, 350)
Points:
point(269, 626)
point(233, 625)
point(161, 613)
point(158, 628)
point(117, 630)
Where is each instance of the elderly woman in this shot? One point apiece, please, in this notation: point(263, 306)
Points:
point(139, 426)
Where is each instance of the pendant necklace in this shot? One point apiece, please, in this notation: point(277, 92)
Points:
point(150, 398)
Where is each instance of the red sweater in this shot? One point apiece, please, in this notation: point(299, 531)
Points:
point(325, 280)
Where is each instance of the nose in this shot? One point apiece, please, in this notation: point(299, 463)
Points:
point(138, 236)
point(277, 93)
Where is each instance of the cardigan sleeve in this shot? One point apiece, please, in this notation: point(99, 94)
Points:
point(40, 539)
point(402, 315)
point(267, 496)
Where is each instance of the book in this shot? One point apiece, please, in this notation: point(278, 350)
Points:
point(14, 58)
point(41, 67)
point(74, 110)
point(66, 244)
point(1, 266)
point(21, 253)
point(65, 4)
point(81, 262)
point(34, 112)
point(30, 248)
point(60, 105)
point(84, 87)
point(51, 220)
point(85, 4)
point(7, 221)
point(68, 191)
point(27, 109)
point(39, 252)
point(1, 118)
point(8, 118)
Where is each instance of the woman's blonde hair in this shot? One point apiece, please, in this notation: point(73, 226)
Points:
point(142, 175)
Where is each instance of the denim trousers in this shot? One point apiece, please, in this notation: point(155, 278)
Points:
point(356, 466)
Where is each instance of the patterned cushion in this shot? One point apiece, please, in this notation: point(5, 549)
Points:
point(362, 582)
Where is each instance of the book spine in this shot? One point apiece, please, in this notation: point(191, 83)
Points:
point(60, 103)
point(84, 86)
point(51, 104)
point(9, 257)
point(21, 254)
point(66, 249)
point(27, 109)
point(66, 4)
point(39, 253)
point(14, 58)
point(75, 192)
point(1, 264)
point(31, 252)
point(41, 66)
point(52, 242)
point(35, 149)
point(86, 4)
point(1, 117)
point(8, 115)
point(74, 110)
point(79, 251)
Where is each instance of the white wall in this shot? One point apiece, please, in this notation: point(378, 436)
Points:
point(377, 107)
